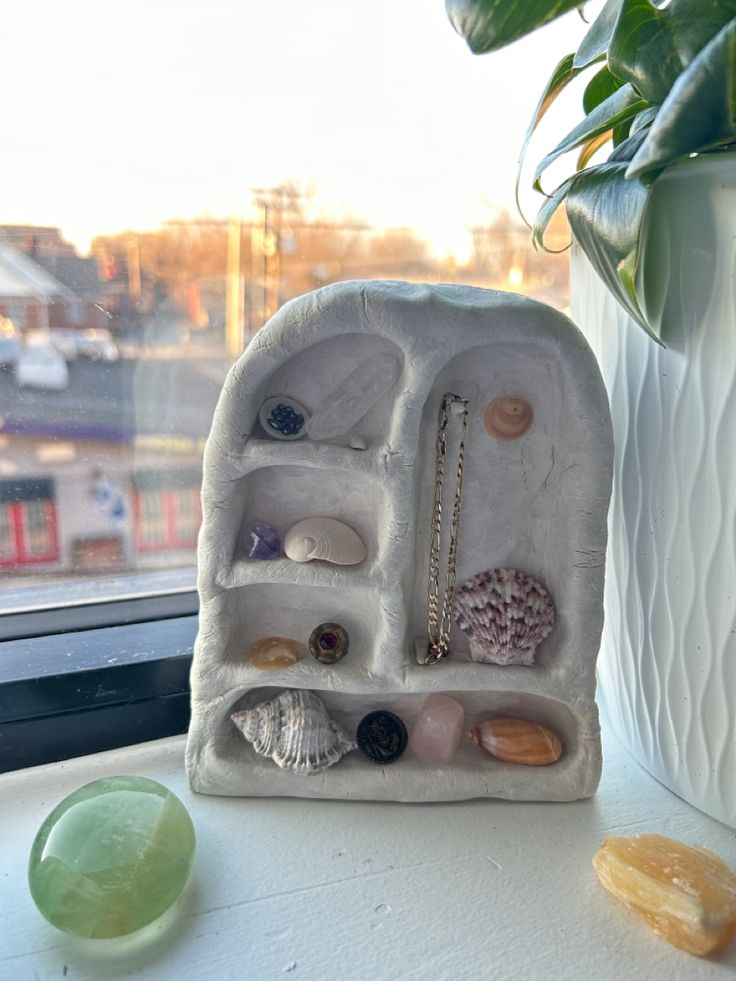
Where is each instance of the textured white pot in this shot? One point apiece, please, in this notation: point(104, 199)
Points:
point(667, 671)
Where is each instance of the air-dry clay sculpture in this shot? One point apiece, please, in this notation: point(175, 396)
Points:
point(519, 381)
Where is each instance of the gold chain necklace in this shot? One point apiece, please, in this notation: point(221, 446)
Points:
point(438, 620)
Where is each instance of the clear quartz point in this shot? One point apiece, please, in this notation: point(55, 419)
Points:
point(354, 397)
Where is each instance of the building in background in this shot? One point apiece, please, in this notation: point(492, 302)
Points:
point(44, 284)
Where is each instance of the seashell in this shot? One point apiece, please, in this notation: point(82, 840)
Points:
point(508, 417)
point(283, 418)
point(272, 653)
point(326, 539)
point(329, 643)
point(517, 741)
point(505, 613)
point(294, 730)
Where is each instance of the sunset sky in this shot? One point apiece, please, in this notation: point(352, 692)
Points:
point(121, 116)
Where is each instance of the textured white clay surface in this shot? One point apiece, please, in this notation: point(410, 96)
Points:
point(537, 504)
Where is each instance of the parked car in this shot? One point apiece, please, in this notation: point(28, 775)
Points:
point(66, 342)
point(97, 345)
point(10, 345)
point(41, 366)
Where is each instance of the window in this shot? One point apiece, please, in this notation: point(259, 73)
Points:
point(178, 236)
point(167, 510)
point(28, 523)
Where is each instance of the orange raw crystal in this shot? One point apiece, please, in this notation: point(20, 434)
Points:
point(685, 894)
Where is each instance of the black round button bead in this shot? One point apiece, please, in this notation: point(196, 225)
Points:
point(382, 736)
point(329, 643)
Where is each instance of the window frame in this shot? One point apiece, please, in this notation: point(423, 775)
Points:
point(97, 672)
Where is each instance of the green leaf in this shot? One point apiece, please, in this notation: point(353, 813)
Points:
point(606, 212)
point(621, 132)
point(699, 113)
point(643, 50)
point(596, 41)
point(561, 77)
point(623, 104)
point(626, 150)
point(488, 25)
point(645, 118)
point(649, 48)
point(589, 149)
point(547, 212)
point(598, 89)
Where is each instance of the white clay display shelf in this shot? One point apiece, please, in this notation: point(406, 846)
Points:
point(536, 504)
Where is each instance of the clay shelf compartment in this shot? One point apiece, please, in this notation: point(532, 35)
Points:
point(282, 495)
point(270, 609)
point(312, 375)
point(349, 708)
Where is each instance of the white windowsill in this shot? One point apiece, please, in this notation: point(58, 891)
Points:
point(333, 890)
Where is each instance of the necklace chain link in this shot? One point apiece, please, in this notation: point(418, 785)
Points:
point(438, 619)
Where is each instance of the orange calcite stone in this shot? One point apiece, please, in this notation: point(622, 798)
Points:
point(685, 894)
point(273, 653)
point(518, 741)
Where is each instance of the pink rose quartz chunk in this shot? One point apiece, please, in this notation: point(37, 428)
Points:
point(438, 729)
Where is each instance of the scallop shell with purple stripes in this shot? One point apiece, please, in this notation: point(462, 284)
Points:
point(505, 613)
point(294, 730)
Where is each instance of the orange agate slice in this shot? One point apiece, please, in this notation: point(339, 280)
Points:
point(685, 894)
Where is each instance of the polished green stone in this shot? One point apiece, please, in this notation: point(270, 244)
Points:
point(112, 857)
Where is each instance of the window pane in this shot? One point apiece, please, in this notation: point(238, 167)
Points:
point(7, 534)
point(186, 509)
point(140, 255)
point(38, 530)
point(153, 519)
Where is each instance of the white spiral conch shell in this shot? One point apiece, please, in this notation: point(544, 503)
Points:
point(505, 613)
point(326, 539)
point(294, 730)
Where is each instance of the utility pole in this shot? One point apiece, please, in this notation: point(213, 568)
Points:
point(266, 255)
point(133, 249)
point(234, 333)
point(272, 253)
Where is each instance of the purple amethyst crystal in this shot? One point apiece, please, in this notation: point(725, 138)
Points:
point(258, 541)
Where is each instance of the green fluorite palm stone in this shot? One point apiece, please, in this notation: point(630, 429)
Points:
point(112, 857)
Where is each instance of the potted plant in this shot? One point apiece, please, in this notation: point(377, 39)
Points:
point(654, 247)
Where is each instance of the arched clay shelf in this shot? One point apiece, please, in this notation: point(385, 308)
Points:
point(355, 777)
point(537, 504)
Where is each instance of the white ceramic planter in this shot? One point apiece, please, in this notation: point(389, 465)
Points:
point(668, 666)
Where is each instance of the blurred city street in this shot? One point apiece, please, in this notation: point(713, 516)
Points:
point(114, 401)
